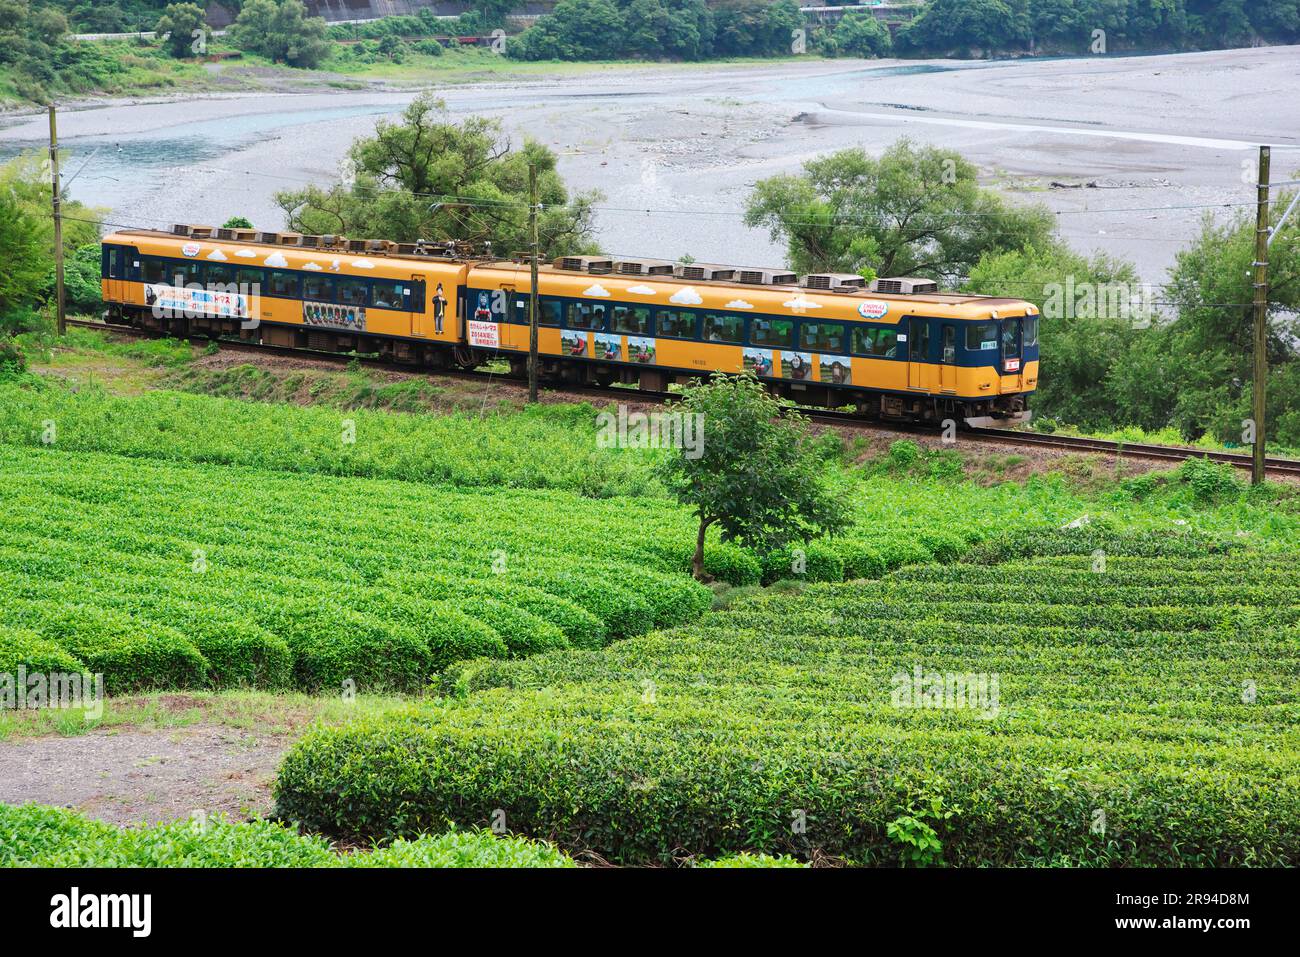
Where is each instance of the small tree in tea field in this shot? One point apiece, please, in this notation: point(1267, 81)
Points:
point(755, 473)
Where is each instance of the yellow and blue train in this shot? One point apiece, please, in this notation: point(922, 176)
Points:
point(897, 349)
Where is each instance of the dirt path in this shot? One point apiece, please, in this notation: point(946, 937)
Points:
point(131, 775)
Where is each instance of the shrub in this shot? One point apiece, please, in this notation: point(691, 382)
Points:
point(859, 559)
point(332, 645)
point(745, 859)
point(36, 654)
point(130, 656)
point(36, 836)
point(812, 561)
point(723, 561)
point(462, 849)
point(523, 632)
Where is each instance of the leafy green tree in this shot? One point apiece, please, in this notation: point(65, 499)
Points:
point(1080, 348)
point(914, 211)
point(237, 222)
point(25, 258)
point(950, 26)
point(861, 35)
point(282, 31)
point(427, 177)
point(755, 27)
point(180, 23)
point(27, 237)
point(574, 30)
point(1211, 341)
point(758, 475)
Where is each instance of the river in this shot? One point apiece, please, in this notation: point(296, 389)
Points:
point(675, 149)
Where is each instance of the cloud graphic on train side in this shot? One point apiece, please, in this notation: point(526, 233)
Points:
point(363, 264)
point(800, 304)
point(738, 304)
point(277, 259)
point(596, 290)
point(218, 255)
point(314, 267)
point(245, 253)
point(686, 296)
point(641, 290)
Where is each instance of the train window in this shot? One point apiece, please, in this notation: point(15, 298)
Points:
point(678, 323)
point(632, 320)
point(981, 336)
point(283, 284)
point(549, 311)
point(317, 288)
point(251, 278)
point(384, 294)
point(778, 333)
point(153, 269)
point(723, 328)
point(874, 341)
point(824, 336)
point(918, 343)
point(184, 274)
point(1010, 338)
point(116, 260)
point(587, 315)
point(949, 344)
point(354, 292)
point(218, 273)
point(1031, 331)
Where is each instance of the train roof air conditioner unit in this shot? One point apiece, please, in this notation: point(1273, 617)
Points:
point(904, 286)
point(767, 277)
point(270, 238)
point(833, 281)
point(697, 271)
point(643, 267)
point(202, 232)
point(596, 264)
point(289, 239)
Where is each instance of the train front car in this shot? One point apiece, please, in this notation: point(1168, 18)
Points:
point(896, 349)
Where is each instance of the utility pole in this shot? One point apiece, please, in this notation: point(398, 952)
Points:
point(532, 289)
point(56, 190)
point(1261, 314)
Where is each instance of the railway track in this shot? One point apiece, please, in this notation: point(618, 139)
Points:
point(1171, 453)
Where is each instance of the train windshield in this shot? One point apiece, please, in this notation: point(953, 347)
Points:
point(1010, 338)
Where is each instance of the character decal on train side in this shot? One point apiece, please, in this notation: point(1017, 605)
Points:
point(573, 342)
point(640, 349)
point(796, 365)
point(333, 315)
point(608, 347)
point(483, 311)
point(759, 362)
point(439, 309)
point(837, 370)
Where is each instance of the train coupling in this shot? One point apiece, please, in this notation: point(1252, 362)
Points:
point(998, 421)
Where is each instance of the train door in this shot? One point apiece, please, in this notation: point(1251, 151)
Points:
point(114, 270)
point(1012, 356)
point(918, 351)
point(419, 307)
point(948, 358)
